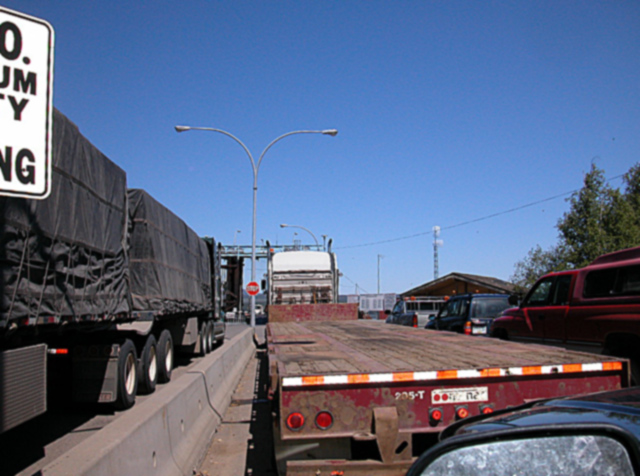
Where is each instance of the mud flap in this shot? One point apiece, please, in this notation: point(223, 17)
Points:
point(393, 445)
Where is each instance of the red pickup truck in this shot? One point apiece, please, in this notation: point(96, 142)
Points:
point(594, 309)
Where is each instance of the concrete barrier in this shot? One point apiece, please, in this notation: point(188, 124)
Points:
point(167, 434)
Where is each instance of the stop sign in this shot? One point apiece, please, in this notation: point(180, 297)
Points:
point(253, 288)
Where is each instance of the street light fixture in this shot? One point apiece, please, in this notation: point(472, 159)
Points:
point(255, 167)
point(302, 228)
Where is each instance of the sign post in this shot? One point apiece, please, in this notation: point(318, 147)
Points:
point(26, 108)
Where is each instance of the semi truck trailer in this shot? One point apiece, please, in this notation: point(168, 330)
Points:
point(99, 286)
point(359, 397)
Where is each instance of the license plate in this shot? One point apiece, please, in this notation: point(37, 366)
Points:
point(460, 395)
point(478, 330)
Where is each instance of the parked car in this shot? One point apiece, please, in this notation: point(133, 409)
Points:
point(594, 309)
point(415, 311)
point(470, 313)
point(593, 435)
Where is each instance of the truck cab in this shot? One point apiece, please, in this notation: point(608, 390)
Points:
point(302, 277)
point(541, 316)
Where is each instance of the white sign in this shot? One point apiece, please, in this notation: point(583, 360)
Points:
point(26, 111)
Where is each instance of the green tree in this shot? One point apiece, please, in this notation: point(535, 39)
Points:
point(600, 220)
point(537, 263)
point(582, 232)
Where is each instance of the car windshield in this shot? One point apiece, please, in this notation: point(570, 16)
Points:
point(490, 307)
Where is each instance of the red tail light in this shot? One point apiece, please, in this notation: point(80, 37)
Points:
point(58, 351)
point(467, 328)
point(415, 320)
point(435, 415)
point(324, 420)
point(295, 421)
point(485, 410)
point(462, 412)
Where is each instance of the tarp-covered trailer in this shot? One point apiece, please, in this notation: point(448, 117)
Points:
point(77, 289)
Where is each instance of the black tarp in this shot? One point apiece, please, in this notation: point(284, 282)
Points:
point(65, 256)
point(169, 263)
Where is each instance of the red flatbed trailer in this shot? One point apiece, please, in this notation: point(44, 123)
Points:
point(361, 397)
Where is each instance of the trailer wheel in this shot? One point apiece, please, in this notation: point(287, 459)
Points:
point(200, 350)
point(148, 366)
point(220, 338)
point(165, 356)
point(211, 341)
point(500, 334)
point(205, 340)
point(127, 376)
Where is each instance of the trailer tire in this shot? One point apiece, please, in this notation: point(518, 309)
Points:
point(220, 337)
point(127, 376)
point(500, 334)
point(211, 341)
point(200, 350)
point(148, 366)
point(165, 356)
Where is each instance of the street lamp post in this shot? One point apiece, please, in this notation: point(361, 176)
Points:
point(379, 256)
point(255, 167)
point(302, 228)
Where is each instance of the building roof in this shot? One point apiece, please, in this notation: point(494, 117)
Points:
point(442, 286)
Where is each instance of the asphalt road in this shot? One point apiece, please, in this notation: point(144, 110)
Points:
point(25, 450)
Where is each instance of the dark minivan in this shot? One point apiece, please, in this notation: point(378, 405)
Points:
point(469, 313)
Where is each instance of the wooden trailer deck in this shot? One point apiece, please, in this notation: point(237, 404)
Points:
point(374, 347)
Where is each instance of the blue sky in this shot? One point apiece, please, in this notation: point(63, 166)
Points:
point(447, 111)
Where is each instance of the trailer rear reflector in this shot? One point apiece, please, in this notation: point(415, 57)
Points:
point(323, 380)
point(58, 351)
point(295, 421)
point(435, 415)
point(324, 420)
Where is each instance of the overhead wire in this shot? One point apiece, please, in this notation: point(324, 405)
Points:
point(468, 222)
point(354, 283)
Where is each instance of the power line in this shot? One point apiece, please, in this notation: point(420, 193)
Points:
point(486, 217)
point(354, 283)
